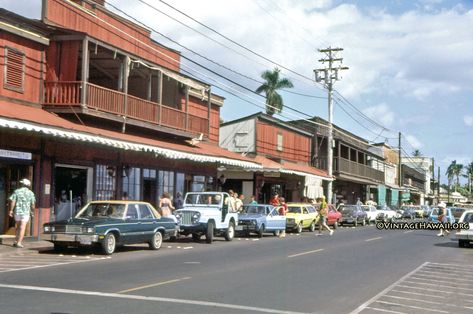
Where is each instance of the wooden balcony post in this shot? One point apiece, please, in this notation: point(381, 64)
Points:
point(160, 95)
point(209, 103)
point(150, 85)
point(125, 90)
point(187, 107)
point(85, 71)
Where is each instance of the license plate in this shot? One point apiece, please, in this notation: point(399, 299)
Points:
point(239, 228)
point(85, 241)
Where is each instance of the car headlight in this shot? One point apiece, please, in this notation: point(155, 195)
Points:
point(47, 228)
point(253, 222)
point(88, 230)
point(178, 216)
point(195, 217)
point(290, 220)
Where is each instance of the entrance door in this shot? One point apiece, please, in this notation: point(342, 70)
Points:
point(72, 189)
point(10, 176)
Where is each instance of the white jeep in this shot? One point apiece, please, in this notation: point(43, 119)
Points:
point(207, 213)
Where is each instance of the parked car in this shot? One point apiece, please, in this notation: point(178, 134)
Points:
point(111, 223)
point(386, 213)
point(419, 211)
point(457, 212)
point(370, 212)
point(435, 212)
point(353, 214)
point(301, 216)
point(334, 217)
point(464, 237)
point(207, 213)
point(427, 210)
point(408, 212)
point(260, 219)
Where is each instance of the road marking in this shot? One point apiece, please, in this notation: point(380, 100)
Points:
point(436, 290)
point(411, 306)
point(409, 231)
point(416, 293)
point(305, 253)
point(430, 275)
point(155, 284)
point(188, 248)
point(436, 284)
point(454, 265)
point(383, 310)
point(153, 299)
point(372, 239)
point(191, 262)
point(444, 281)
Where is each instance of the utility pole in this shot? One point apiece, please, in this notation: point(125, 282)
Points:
point(438, 184)
point(399, 170)
point(329, 75)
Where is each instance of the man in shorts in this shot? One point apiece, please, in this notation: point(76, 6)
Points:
point(22, 203)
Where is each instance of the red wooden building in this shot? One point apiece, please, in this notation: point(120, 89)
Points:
point(92, 108)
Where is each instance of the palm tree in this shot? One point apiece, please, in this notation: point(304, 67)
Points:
point(454, 171)
point(469, 174)
point(416, 153)
point(274, 102)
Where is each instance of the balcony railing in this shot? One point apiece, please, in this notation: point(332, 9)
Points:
point(351, 167)
point(68, 94)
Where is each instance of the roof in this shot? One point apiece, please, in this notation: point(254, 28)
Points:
point(31, 119)
point(291, 168)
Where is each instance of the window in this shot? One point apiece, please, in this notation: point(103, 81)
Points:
point(14, 69)
point(280, 142)
point(104, 183)
point(145, 212)
point(198, 184)
point(165, 182)
point(132, 211)
point(131, 184)
point(241, 139)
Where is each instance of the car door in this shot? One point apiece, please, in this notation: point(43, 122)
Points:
point(132, 231)
point(274, 221)
point(148, 223)
point(306, 219)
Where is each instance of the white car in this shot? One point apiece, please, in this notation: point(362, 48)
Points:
point(371, 212)
point(465, 236)
point(385, 213)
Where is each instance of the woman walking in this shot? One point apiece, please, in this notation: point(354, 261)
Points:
point(323, 213)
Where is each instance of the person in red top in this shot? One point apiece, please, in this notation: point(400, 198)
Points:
point(275, 200)
point(282, 212)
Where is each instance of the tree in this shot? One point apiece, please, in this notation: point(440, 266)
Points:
point(469, 174)
point(454, 171)
point(274, 102)
point(416, 153)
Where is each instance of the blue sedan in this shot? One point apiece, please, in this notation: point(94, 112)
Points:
point(260, 219)
point(434, 216)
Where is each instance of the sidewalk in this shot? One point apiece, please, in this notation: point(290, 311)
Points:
point(6, 246)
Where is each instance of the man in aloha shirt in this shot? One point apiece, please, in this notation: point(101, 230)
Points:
point(22, 203)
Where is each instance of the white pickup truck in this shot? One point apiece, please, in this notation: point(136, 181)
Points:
point(207, 213)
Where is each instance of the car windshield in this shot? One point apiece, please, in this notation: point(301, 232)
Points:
point(468, 218)
point(109, 210)
point(251, 209)
point(198, 199)
point(294, 209)
point(365, 208)
point(346, 209)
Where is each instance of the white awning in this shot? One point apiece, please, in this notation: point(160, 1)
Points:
point(126, 145)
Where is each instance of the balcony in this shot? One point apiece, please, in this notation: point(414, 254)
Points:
point(66, 97)
point(348, 167)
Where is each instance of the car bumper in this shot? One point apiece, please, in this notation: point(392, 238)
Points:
point(464, 236)
point(242, 227)
point(81, 239)
point(200, 227)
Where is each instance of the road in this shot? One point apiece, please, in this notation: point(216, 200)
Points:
point(357, 270)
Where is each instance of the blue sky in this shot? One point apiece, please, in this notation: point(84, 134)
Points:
point(411, 62)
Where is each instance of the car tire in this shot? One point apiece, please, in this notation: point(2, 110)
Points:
point(335, 225)
point(196, 237)
point(363, 222)
point(261, 231)
point(299, 227)
point(463, 243)
point(59, 247)
point(209, 236)
point(312, 226)
point(109, 244)
point(277, 233)
point(156, 241)
point(230, 232)
point(355, 223)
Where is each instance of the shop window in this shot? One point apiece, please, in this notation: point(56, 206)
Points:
point(180, 183)
point(132, 184)
point(104, 182)
point(198, 184)
point(14, 69)
point(150, 186)
point(165, 182)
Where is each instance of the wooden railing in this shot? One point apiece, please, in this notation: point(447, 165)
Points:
point(354, 168)
point(111, 101)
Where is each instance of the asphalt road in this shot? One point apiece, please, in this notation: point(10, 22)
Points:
point(356, 270)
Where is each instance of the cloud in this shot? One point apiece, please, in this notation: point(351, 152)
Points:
point(468, 120)
point(414, 142)
point(381, 113)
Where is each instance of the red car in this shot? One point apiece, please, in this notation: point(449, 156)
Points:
point(334, 216)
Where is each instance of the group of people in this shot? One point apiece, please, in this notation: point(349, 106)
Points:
point(235, 202)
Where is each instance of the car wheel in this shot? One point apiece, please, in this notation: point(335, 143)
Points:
point(109, 244)
point(230, 232)
point(363, 222)
point(335, 225)
point(312, 226)
point(59, 247)
point(355, 223)
point(156, 241)
point(196, 237)
point(209, 236)
point(299, 228)
point(462, 243)
point(261, 231)
point(276, 233)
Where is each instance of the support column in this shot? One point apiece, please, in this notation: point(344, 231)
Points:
point(125, 90)
point(209, 104)
point(84, 72)
point(186, 90)
point(160, 95)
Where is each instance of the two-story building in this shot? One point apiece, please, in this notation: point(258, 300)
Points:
point(420, 178)
point(282, 149)
point(391, 174)
point(92, 108)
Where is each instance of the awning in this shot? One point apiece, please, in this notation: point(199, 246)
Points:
point(350, 178)
point(31, 119)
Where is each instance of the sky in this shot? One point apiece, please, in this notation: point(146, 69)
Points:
point(410, 62)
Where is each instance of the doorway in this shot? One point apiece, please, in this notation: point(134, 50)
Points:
point(72, 189)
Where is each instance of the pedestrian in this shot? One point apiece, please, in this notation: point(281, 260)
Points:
point(442, 218)
point(22, 203)
point(165, 205)
point(358, 201)
point(275, 200)
point(231, 201)
point(253, 200)
point(178, 201)
point(239, 202)
point(125, 196)
point(323, 213)
point(282, 210)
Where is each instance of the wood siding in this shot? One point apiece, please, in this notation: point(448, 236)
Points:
point(99, 24)
point(296, 147)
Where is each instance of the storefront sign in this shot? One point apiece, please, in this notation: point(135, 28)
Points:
point(14, 154)
point(272, 174)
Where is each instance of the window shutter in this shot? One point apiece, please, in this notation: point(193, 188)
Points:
point(14, 69)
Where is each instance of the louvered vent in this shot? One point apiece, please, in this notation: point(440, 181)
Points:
point(14, 69)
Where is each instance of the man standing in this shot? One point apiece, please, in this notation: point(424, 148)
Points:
point(442, 218)
point(22, 203)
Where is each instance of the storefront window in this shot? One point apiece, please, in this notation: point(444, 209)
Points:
point(180, 183)
point(165, 182)
point(131, 184)
point(198, 184)
point(104, 182)
point(150, 186)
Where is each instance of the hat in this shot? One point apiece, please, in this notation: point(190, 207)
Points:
point(25, 182)
point(442, 205)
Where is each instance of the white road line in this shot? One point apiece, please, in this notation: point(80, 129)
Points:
point(436, 290)
point(455, 265)
point(305, 253)
point(145, 298)
point(449, 269)
point(436, 284)
point(48, 265)
point(154, 285)
point(411, 306)
point(416, 293)
point(373, 299)
point(446, 281)
point(383, 310)
point(416, 300)
point(372, 239)
point(430, 275)
point(191, 262)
